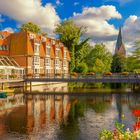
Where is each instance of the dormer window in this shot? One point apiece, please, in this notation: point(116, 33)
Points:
point(36, 49)
point(43, 39)
point(32, 36)
point(60, 44)
point(2, 36)
point(48, 50)
point(53, 42)
point(57, 53)
point(4, 47)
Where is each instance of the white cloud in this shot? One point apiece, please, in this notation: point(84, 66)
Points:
point(110, 45)
point(96, 22)
point(76, 3)
point(58, 2)
point(9, 29)
point(131, 28)
point(31, 11)
point(131, 32)
point(100, 31)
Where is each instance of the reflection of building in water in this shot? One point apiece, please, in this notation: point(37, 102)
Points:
point(57, 87)
point(43, 110)
point(11, 102)
point(7, 106)
point(43, 114)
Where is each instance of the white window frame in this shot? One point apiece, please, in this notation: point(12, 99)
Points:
point(48, 47)
point(57, 62)
point(47, 62)
point(36, 52)
point(36, 61)
point(57, 51)
point(64, 63)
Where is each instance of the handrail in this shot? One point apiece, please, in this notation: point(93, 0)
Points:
point(115, 77)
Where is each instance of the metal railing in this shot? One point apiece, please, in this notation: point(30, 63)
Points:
point(78, 77)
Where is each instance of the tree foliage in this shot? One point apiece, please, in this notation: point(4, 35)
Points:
point(99, 59)
point(118, 63)
point(133, 61)
point(30, 27)
point(70, 34)
point(82, 68)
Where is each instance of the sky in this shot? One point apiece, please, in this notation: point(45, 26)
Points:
point(102, 18)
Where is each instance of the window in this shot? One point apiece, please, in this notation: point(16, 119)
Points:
point(32, 36)
point(65, 54)
point(36, 71)
point(47, 61)
point(3, 47)
point(57, 53)
point(53, 42)
point(2, 36)
point(56, 62)
point(36, 60)
point(64, 63)
point(36, 49)
point(48, 51)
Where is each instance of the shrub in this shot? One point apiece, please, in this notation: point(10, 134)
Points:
point(108, 74)
point(90, 73)
point(125, 73)
point(82, 68)
point(74, 74)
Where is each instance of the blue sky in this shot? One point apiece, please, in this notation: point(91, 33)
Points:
point(101, 17)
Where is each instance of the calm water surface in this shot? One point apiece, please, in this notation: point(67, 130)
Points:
point(64, 117)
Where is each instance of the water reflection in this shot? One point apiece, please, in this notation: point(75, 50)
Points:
point(63, 117)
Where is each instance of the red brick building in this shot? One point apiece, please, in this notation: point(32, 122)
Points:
point(38, 55)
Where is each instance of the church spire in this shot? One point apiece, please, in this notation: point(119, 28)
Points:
point(120, 48)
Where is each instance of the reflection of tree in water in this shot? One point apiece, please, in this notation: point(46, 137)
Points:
point(71, 127)
point(119, 106)
point(16, 121)
point(99, 107)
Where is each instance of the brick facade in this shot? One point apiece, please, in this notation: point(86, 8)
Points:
point(37, 54)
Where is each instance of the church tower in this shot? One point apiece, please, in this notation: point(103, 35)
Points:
point(120, 48)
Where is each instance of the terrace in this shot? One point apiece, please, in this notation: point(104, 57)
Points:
point(9, 69)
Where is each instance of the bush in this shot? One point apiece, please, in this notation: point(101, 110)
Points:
point(107, 74)
point(125, 73)
point(82, 68)
point(90, 73)
point(74, 74)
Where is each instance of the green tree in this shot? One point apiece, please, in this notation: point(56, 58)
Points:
point(131, 64)
point(30, 27)
point(82, 68)
point(99, 59)
point(119, 63)
point(133, 61)
point(45, 34)
point(98, 65)
point(70, 34)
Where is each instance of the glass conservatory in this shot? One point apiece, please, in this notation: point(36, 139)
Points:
point(9, 69)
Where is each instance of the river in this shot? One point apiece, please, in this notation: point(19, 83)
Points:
point(66, 116)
